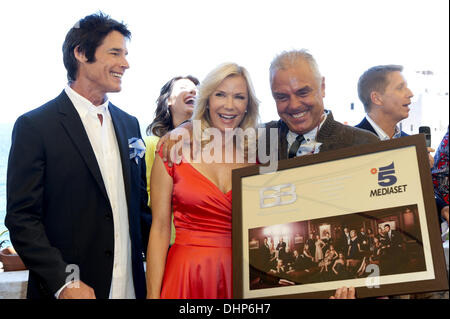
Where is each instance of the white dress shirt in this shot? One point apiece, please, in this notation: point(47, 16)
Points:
point(381, 134)
point(309, 145)
point(104, 143)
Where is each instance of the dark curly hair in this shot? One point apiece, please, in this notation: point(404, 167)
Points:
point(163, 118)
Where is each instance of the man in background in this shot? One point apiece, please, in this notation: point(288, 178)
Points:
point(384, 92)
point(386, 97)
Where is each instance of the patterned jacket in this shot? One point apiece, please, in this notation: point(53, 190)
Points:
point(440, 170)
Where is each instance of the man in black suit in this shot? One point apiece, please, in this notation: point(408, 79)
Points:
point(264, 256)
point(281, 248)
point(363, 240)
point(345, 239)
point(394, 238)
point(384, 92)
point(395, 254)
point(76, 186)
point(311, 244)
point(386, 98)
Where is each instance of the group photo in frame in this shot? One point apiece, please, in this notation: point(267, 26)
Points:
point(347, 248)
point(363, 216)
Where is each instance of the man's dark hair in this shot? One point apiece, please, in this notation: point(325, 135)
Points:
point(375, 79)
point(87, 35)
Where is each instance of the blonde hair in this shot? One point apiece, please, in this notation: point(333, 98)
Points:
point(209, 85)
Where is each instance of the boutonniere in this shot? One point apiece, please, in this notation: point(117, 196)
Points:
point(137, 148)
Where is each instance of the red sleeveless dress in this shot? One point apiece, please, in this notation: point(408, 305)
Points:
point(199, 263)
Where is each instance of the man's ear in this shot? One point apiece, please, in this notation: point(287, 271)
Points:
point(79, 55)
point(376, 98)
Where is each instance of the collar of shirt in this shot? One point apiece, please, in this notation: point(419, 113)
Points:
point(309, 144)
point(84, 107)
point(106, 149)
point(381, 134)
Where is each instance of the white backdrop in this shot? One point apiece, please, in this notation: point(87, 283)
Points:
point(191, 37)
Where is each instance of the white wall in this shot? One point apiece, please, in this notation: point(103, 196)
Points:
point(180, 37)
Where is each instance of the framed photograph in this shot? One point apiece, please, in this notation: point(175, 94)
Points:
point(298, 239)
point(324, 229)
point(253, 244)
point(376, 204)
point(391, 225)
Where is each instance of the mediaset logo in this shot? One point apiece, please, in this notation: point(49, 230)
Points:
point(386, 178)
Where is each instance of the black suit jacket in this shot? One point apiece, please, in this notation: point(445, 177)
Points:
point(365, 125)
point(58, 211)
point(396, 239)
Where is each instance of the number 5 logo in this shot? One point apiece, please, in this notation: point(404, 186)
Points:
point(386, 175)
point(273, 196)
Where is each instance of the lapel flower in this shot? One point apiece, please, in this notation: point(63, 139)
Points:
point(137, 148)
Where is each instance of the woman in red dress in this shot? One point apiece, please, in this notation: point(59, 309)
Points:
point(199, 263)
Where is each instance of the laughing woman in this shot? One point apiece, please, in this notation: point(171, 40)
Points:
point(174, 105)
point(199, 264)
